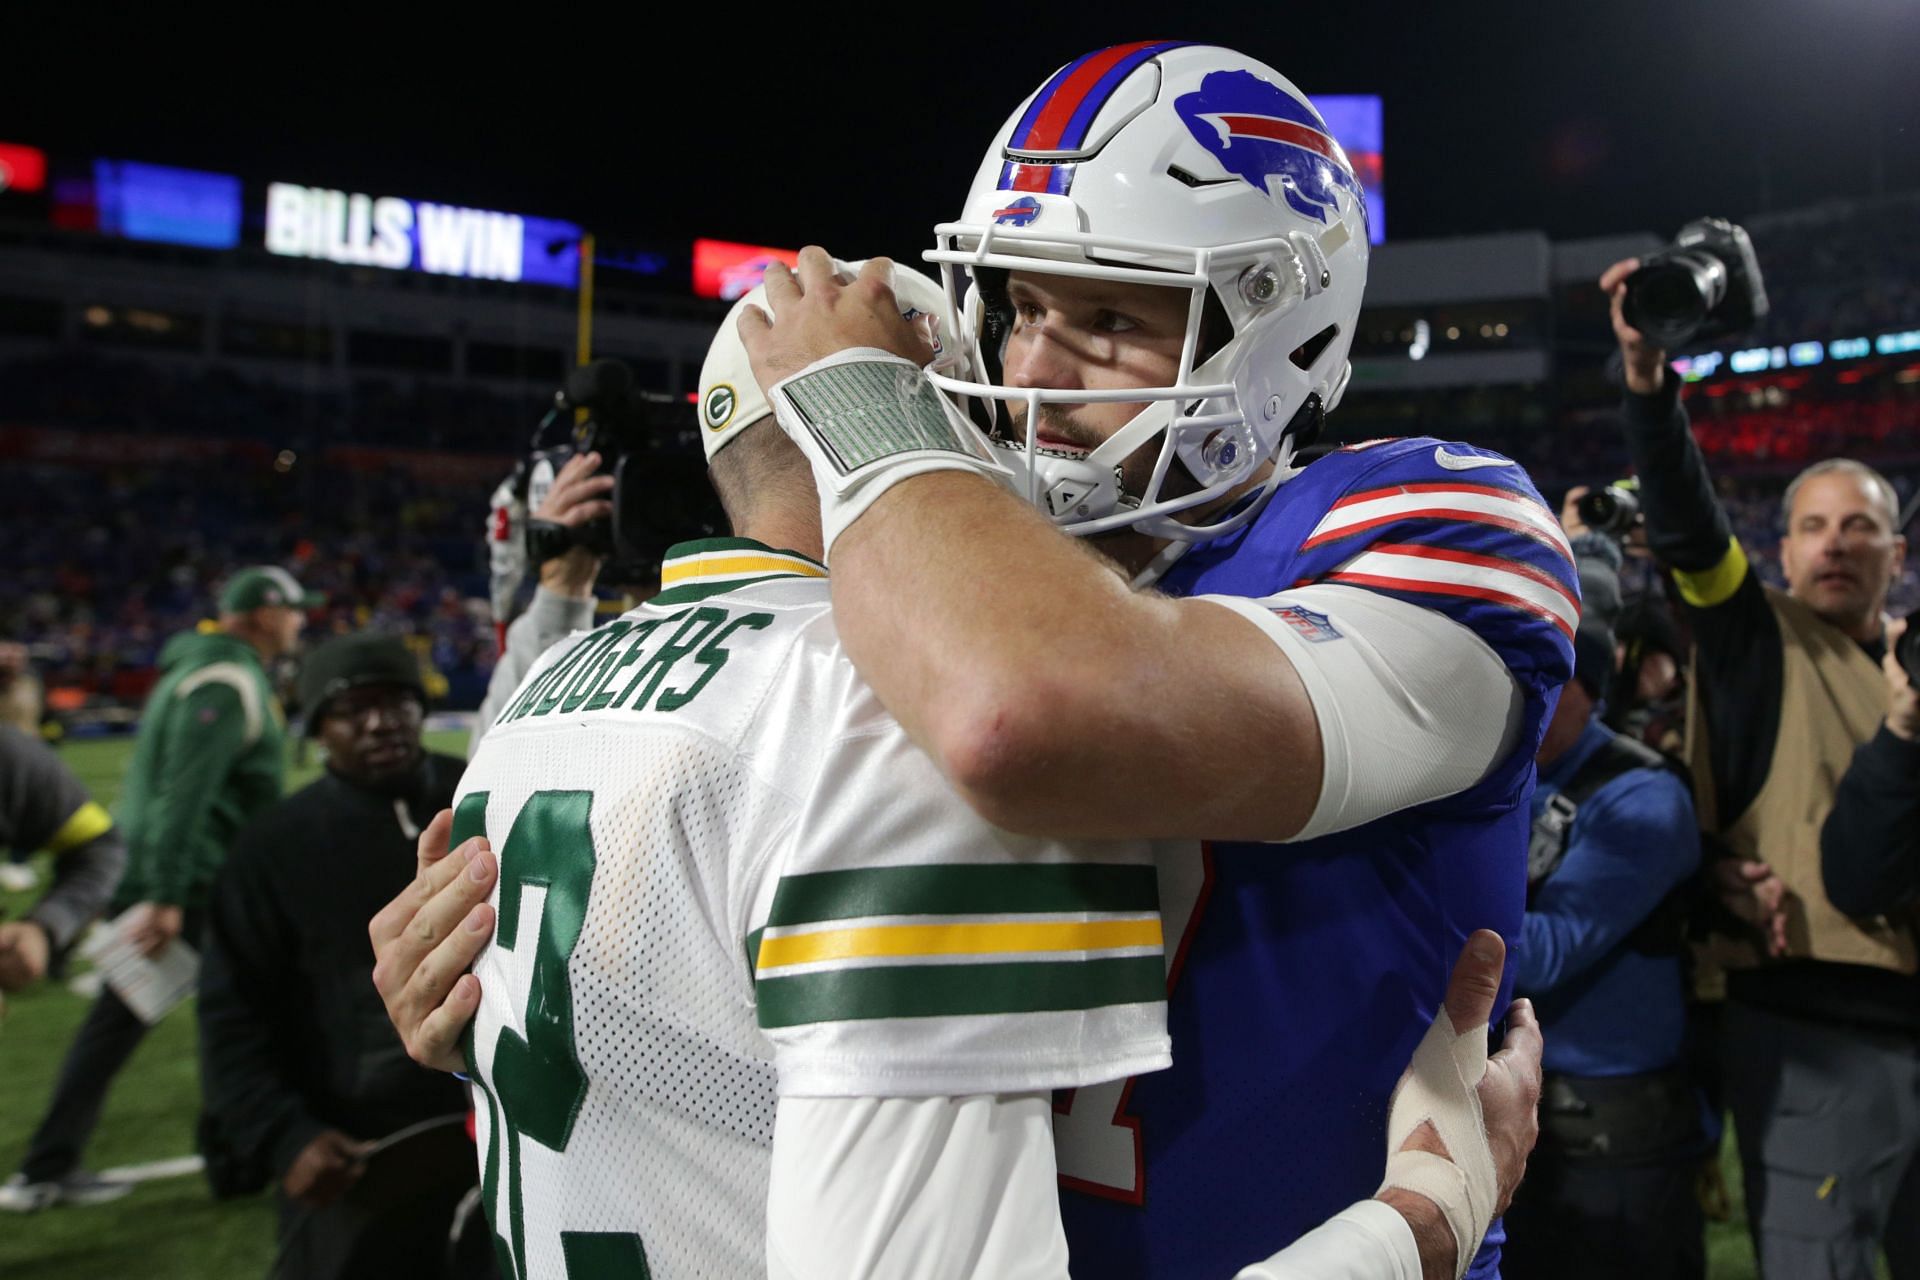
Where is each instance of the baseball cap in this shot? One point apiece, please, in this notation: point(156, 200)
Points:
point(731, 401)
point(346, 662)
point(265, 584)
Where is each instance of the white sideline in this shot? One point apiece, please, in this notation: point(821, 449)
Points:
point(178, 1167)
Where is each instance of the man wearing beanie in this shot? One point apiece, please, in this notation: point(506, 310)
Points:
point(211, 753)
point(300, 1069)
point(1610, 1188)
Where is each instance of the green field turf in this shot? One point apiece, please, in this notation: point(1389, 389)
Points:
point(171, 1228)
point(166, 1229)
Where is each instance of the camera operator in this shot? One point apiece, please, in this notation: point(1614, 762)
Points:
point(1821, 1033)
point(563, 600)
point(1610, 1188)
point(1870, 845)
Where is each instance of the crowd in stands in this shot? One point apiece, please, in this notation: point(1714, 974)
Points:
point(107, 563)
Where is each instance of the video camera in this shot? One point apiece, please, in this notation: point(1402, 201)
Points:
point(648, 442)
point(1706, 283)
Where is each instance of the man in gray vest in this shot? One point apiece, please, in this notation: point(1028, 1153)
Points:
point(1822, 1024)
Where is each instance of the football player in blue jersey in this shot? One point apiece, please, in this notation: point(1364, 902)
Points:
point(1166, 253)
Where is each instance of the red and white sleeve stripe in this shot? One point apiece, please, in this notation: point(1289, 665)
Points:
point(1471, 503)
point(1413, 567)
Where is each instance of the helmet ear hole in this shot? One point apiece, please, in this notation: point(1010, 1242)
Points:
point(1308, 352)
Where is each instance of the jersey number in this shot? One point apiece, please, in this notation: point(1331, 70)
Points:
point(537, 1085)
point(1097, 1145)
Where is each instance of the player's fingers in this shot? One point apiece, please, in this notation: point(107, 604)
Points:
point(754, 328)
point(436, 870)
point(435, 840)
point(439, 971)
point(586, 512)
point(437, 1042)
point(1475, 983)
point(400, 954)
point(816, 271)
point(1520, 1051)
point(783, 289)
point(876, 279)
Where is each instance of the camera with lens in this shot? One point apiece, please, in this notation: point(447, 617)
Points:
point(1706, 283)
point(649, 443)
point(1614, 510)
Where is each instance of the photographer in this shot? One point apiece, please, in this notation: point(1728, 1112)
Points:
point(563, 601)
point(1822, 1022)
point(1610, 1190)
point(1870, 845)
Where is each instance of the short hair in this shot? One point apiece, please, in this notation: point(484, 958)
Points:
point(758, 460)
point(1877, 482)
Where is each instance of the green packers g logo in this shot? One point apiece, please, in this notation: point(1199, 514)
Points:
point(718, 406)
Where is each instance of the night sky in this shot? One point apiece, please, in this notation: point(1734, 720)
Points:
point(1580, 119)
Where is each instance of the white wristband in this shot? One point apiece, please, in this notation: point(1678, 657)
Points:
point(868, 419)
point(1439, 1088)
point(1365, 1241)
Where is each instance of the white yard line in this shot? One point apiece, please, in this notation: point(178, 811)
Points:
point(178, 1167)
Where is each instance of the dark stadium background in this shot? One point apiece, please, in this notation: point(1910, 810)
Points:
point(857, 129)
point(858, 125)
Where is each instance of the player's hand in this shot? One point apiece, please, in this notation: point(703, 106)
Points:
point(152, 926)
point(1509, 1094)
point(426, 939)
point(24, 950)
point(816, 313)
point(1752, 891)
point(578, 495)
point(1903, 700)
point(1644, 365)
point(325, 1169)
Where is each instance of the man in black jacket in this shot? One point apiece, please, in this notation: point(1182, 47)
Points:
point(1820, 1037)
point(301, 1070)
point(1870, 844)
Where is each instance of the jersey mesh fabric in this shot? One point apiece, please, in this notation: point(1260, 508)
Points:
point(673, 1134)
point(724, 869)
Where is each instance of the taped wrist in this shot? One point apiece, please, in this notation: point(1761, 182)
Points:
point(1439, 1088)
point(867, 419)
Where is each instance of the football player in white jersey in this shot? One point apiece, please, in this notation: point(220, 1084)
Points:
point(726, 878)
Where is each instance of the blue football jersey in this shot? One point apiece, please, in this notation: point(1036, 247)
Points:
point(1304, 974)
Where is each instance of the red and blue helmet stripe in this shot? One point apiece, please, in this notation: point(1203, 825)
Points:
point(1062, 113)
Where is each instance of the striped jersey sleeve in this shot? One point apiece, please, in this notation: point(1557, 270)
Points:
point(907, 948)
point(1463, 532)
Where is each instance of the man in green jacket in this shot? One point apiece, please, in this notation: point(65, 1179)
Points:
point(211, 753)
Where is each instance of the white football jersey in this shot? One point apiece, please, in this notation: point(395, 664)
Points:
point(726, 875)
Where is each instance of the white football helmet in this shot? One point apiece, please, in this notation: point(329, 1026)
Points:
point(1184, 165)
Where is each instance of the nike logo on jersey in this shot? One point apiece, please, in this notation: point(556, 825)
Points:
point(1466, 461)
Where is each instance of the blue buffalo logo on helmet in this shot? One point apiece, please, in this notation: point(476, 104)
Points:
point(1261, 132)
point(1017, 213)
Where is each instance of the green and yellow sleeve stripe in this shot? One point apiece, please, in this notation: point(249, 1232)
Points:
point(909, 942)
point(1709, 587)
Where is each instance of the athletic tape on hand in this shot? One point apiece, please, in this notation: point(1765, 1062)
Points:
point(868, 419)
point(1438, 1088)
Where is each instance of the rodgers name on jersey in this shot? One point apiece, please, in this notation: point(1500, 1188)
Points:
point(726, 876)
